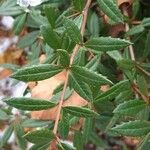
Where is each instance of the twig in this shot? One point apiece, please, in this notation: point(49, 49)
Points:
point(127, 29)
point(131, 50)
point(75, 50)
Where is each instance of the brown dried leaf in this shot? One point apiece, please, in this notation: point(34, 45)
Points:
point(44, 90)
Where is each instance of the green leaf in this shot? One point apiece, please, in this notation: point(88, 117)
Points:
point(146, 52)
point(28, 39)
point(110, 8)
point(81, 88)
point(87, 129)
point(79, 111)
point(135, 30)
point(85, 75)
point(19, 23)
point(32, 123)
point(104, 44)
point(131, 107)
point(64, 57)
point(51, 37)
point(6, 136)
point(57, 96)
point(78, 4)
point(146, 22)
point(3, 115)
point(19, 132)
point(65, 146)
point(78, 140)
point(112, 92)
point(64, 126)
point(9, 8)
point(126, 64)
point(73, 31)
point(12, 67)
point(94, 25)
point(36, 73)
point(50, 14)
point(30, 104)
point(133, 128)
point(42, 136)
point(40, 147)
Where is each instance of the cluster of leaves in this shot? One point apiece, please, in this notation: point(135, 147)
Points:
point(122, 110)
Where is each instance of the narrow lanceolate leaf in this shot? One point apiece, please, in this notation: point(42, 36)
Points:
point(19, 23)
point(132, 128)
point(40, 136)
point(6, 136)
point(112, 92)
point(19, 132)
point(29, 103)
point(33, 123)
point(37, 73)
point(104, 44)
point(85, 75)
point(110, 8)
point(81, 88)
point(51, 37)
point(73, 31)
point(131, 107)
point(64, 126)
point(79, 111)
point(87, 129)
point(64, 57)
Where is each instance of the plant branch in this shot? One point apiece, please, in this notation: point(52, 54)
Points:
point(75, 50)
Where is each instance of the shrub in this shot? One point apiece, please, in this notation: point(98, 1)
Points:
point(94, 76)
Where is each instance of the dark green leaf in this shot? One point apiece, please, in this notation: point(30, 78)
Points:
point(79, 111)
point(30, 104)
point(112, 92)
point(87, 129)
point(146, 52)
point(51, 37)
point(19, 132)
point(126, 64)
point(133, 128)
point(64, 125)
point(85, 75)
point(37, 73)
point(78, 140)
point(104, 44)
point(81, 88)
point(131, 107)
point(135, 30)
point(79, 4)
point(64, 57)
point(40, 136)
point(50, 14)
point(73, 31)
point(94, 25)
point(110, 8)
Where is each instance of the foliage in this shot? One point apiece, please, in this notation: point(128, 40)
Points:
point(106, 71)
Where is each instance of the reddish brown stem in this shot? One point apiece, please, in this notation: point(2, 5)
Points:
point(75, 50)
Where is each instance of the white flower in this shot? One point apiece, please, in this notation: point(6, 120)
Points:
point(26, 3)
